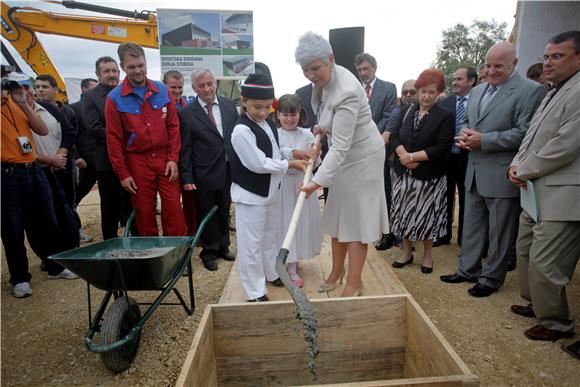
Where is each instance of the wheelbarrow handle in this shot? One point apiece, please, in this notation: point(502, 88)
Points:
point(129, 223)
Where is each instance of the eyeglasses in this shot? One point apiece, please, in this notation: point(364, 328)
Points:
point(408, 92)
point(552, 57)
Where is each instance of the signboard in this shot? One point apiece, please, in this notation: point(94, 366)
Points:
point(222, 41)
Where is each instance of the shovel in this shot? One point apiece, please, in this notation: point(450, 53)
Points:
point(305, 310)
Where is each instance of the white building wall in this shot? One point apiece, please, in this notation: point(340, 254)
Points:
point(539, 21)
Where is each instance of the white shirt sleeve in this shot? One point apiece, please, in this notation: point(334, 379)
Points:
point(252, 157)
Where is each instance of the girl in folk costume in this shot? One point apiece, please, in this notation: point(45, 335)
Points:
point(308, 238)
point(257, 170)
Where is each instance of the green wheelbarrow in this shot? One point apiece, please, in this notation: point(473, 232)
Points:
point(125, 264)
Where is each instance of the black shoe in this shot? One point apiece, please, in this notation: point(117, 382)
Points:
point(481, 290)
point(426, 270)
point(386, 242)
point(456, 279)
point(277, 283)
point(227, 256)
point(398, 265)
point(264, 298)
point(572, 349)
point(442, 241)
point(523, 310)
point(210, 265)
point(512, 266)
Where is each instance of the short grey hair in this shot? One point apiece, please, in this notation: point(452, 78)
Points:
point(196, 73)
point(311, 47)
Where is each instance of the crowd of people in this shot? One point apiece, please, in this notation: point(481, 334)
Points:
point(506, 147)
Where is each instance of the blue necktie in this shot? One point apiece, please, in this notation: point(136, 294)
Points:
point(459, 118)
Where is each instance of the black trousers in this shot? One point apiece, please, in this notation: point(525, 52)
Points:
point(115, 204)
point(85, 183)
point(67, 182)
point(27, 207)
point(215, 239)
point(456, 180)
point(388, 188)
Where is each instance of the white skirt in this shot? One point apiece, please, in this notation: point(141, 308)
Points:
point(356, 208)
point(308, 237)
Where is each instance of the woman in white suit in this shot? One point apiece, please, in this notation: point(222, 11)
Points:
point(356, 211)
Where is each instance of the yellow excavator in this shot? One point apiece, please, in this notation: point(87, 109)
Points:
point(20, 25)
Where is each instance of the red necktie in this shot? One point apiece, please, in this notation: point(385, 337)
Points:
point(368, 90)
point(210, 113)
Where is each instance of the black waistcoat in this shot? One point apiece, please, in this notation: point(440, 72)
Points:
point(258, 183)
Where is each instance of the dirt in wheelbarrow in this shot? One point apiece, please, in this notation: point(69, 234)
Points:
point(42, 335)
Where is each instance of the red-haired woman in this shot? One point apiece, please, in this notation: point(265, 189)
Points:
point(422, 145)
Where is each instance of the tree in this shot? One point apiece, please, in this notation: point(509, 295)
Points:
point(463, 46)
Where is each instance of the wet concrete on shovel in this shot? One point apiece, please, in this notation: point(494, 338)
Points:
point(305, 312)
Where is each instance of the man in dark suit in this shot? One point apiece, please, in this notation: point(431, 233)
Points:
point(464, 79)
point(498, 113)
point(115, 201)
point(382, 98)
point(305, 94)
point(84, 153)
point(206, 127)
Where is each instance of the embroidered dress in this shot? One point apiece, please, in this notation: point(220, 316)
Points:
point(308, 236)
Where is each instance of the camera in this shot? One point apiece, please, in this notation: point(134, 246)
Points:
point(10, 85)
point(25, 144)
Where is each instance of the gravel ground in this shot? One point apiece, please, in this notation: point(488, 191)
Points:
point(42, 336)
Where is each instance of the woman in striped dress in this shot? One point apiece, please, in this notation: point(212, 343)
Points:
point(422, 146)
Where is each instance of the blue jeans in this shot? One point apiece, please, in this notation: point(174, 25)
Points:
point(27, 206)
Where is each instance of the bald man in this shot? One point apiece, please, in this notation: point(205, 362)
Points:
point(498, 113)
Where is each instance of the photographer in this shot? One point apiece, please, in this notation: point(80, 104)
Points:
point(26, 198)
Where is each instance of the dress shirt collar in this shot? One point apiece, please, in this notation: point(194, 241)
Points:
point(204, 105)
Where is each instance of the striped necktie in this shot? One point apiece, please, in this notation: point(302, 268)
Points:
point(459, 118)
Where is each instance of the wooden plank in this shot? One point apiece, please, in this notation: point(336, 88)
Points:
point(378, 278)
point(383, 272)
point(292, 369)
point(437, 381)
point(427, 352)
point(200, 363)
point(345, 324)
point(233, 291)
point(311, 272)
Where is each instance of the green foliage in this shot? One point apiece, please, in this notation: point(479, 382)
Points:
point(463, 46)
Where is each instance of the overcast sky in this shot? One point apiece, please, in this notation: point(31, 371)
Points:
point(402, 35)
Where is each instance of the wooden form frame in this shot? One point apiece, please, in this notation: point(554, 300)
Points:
point(365, 341)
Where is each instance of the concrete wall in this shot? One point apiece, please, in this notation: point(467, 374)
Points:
point(538, 22)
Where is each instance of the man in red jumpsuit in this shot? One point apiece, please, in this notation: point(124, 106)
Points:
point(143, 142)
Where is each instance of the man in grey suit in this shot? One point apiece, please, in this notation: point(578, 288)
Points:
point(382, 98)
point(498, 113)
point(548, 248)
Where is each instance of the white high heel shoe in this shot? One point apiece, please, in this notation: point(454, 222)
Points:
point(326, 287)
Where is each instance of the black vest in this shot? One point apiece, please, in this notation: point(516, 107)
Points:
point(258, 183)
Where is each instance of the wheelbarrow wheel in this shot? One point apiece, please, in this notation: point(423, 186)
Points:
point(121, 317)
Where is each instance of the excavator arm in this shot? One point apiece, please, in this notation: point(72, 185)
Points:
point(20, 25)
